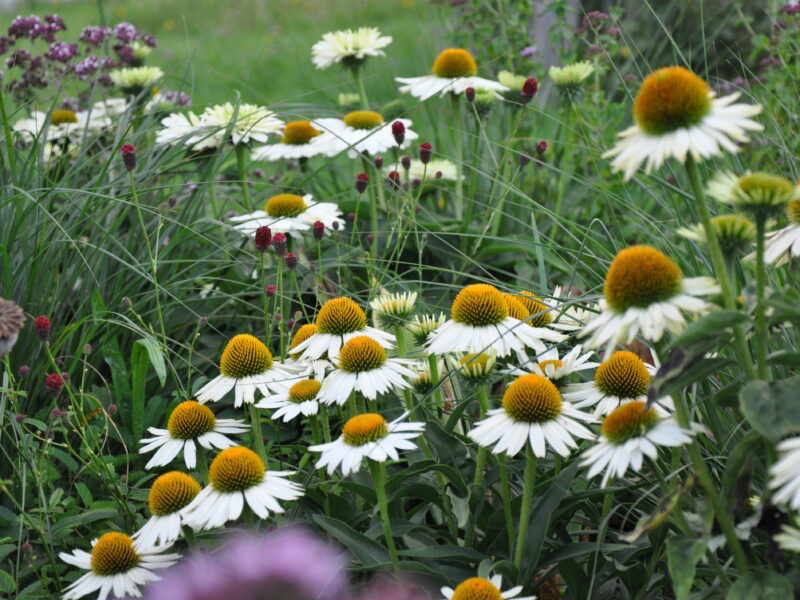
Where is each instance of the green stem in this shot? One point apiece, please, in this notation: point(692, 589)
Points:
point(761, 319)
point(202, 465)
point(258, 435)
point(241, 158)
point(262, 278)
point(525, 509)
point(458, 144)
point(480, 465)
point(402, 351)
point(362, 92)
point(438, 396)
point(379, 477)
point(506, 489)
point(188, 535)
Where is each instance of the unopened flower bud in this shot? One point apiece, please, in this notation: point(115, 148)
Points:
point(438, 175)
point(425, 150)
point(406, 162)
point(319, 230)
point(350, 217)
point(87, 349)
point(24, 371)
point(126, 302)
point(270, 290)
point(42, 326)
point(112, 409)
point(529, 89)
point(20, 418)
point(26, 547)
point(263, 238)
point(291, 260)
point(399, 132)
point(279, 244)
point(541, 147)
point(470, 94)
point(370, 239)
point(172, 201)
point(394, 177)
point(128, 156)
point(290, 324)
point(335, 225)
point(362, 179)
point(278, 317)
point(416, 182)
point(378, 162)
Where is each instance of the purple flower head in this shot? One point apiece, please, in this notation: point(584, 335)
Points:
point(94, 35)
point(62, 51)
point(26, 27)
point(18, 58)
point(87, 67)
point(105, 80)
point(290, 564)
point(125, 32)
point(179, 99)
point(149, 40)
point(528, 51)
point(55, 23)
point(124, 53)
point(5, 43)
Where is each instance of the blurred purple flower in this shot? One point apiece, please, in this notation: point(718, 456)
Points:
point(87, 66)
point(94, 35)
point(62, 51)
point(290, 564)
point(528, 51)
point(125, 32)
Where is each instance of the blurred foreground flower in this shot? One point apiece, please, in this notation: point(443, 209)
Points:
point(349, 47)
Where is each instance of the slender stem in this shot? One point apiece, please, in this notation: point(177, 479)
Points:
point(202, 465)
point(279, 304)
point(458, 144)
point(262, 278)
point(438, 396)
point(362, 92)
point(506, 490)
point(525, 509)
point(258, 435)
point(379, 477)
point(402, 351)
point(241, 150)
point(761, 319)
point(480, 466)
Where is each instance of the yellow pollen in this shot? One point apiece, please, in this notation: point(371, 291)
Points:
point(361, 354)
point(244, 356)
point(623, 376)
point(479, 304)
point(532, 399)
point(365, 428)
point(304, 390)
point(537, 308)
point(113, 554)
point(640, 276)
point(190, 420)
point(57, 117)
point(629, 420)
point(299, 132)
point(476, 588)
point(171, 492)
point(285, 205)
point(454, 62)
point(339, 316)
point(557, 364)
point(236, 469)
point(793, 211)
point(671, 98)
point(363, 119)
point(305, 332)
point(516, 309)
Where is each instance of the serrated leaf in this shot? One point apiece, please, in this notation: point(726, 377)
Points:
point(761, 586)
point(682, 556)
point(771, 407)
point(7, 583)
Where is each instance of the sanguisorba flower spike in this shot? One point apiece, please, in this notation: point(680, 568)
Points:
point(290, 214)
point(480, 322)
point(645, 292)
point(533, 412)
point(478, 588)
point(453, 71)
point(190, 423)
point(246, 366)
point(367, 436)
point(338, 321)
point(238, 476)
point(118, 567)
point(168, 495)
point(677, 115)
point(631, 433)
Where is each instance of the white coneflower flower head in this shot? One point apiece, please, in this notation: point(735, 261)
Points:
point(421, 327)
point(247, 122)
point(394, 309)
point(475, 367)
point(511, 80)
point(735, 233)
point(349, 47)
point(169, 493)
point(478, 588)
point(760, 194)
point(571, 75)
point(133, 80)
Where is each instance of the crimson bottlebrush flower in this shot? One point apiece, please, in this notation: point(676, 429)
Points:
point(270, 290)
point(541, 147)
point(318, 229)
point(406, 162)
point(394, 177)
point(128, 156)
point(529, 89)
point(23, 371)
point(291, 260)
point(279, 244)
point(425, 150)
point(362, 179)
point(399, 132)
point(263, 238)
point(42, 326)
point(54, 382)
point(378, 160)
point(470, 94)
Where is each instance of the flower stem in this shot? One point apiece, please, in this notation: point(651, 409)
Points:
point(761, 319)
point(438, 397)
point(509, 518)
point(202, 465)
point(240, 161)
point(379, 477)
point(480, 465)
point(258, 436)
point(458, 143)
point(525, 509)
point(362, 92)
point(402, 351)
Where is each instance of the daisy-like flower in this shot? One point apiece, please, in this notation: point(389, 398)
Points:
point(566, 314)
point(421, 328)
point(735, 233)
point(511, 80)
point(133, 80)
point(189, 424)
point(532, 411)
point(394, 309)
point(621, 379)
point(317, 366)
point(628, 435)
point(362, 366)
point(478, 588)
point(361, 131)
point(59, 125)
point(781, 245)
point(349, 47)
point(480, 321)
point(422, 379)
point(246, 366)
point(367, 436)
point(677, 115)
point(437, 169)
point(118, 566)
point(453, 71)
point(188, 130)
point(299, 139)
point(247, 122)
point(293, 399)
point(788, 538)
point(645, 292)
point(290, 214)
point(238, 476)
point(475, 367)
point(570, 76)
point(760, 194)
point(785, 474)
point(554, 368)
point(168, 495)
point(338, 321)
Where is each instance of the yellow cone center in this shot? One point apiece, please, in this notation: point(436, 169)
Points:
point(113, 554)
point(171, 492)
point(363, 119)
point(305, 390)
point(360, 354)
point(532, 399)
point(57, 117)
point(236, 469)
point(537, 308)
point(339, 316)
point(516, 309)
point(623, 376)
point(299, 132)
point(285, 205)
point(244, 356)
point(454, 62)
point(628, 421)
point(476, 588)
point(362, 429)
point(190, 420)
point(305, 332)
point(793, 211)
point(640, 276)
point(671, 98)
point(479, 305)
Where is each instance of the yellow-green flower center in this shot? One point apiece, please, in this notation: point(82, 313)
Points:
point(360, 354)
point(190, 420)
point(171, 492)
point(479, 305)
point(236, 469)
point(766, 189)
point(339, 316)
point(362, 429)
point(285, 205)
point(113, 554)
point(244, 356)
point(532, 399)
point(623, 376)
point(57, 117)
point(628, 421)
point(454, 62)
point(671, 98)
point(476, 588)
point(516, 309)
point(363, 119)
point(305, 390)
point(537, 308)
point(305, 332)
point(793, 211)
point(299, 132)
point(640, 276)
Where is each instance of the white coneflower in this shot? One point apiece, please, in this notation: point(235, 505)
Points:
point(247, 122)
point(436, 169)
point(367, 436)
point(349, 47)
point(645, 292)
point(554, 368)
point(453, 71)
point(475, 367)
point(759, 194)
point(631, 433)
point(292, 399)
point(290, 214)
point(784, 244)
point(133, 80)
point(246, 366)
point(117, 565)
point(362, 131)
point(304, 368)
point(735, 233)
point(422, 327)
point(394, 309)
point(299, 139)
point(788, 538)
point(237, 477)
point(532, 412)
point(478, 588)
point(785, 474)
point(187, 129)
point(677, 115)
point(169, 493)
point(189, 424)
point(567, 79)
